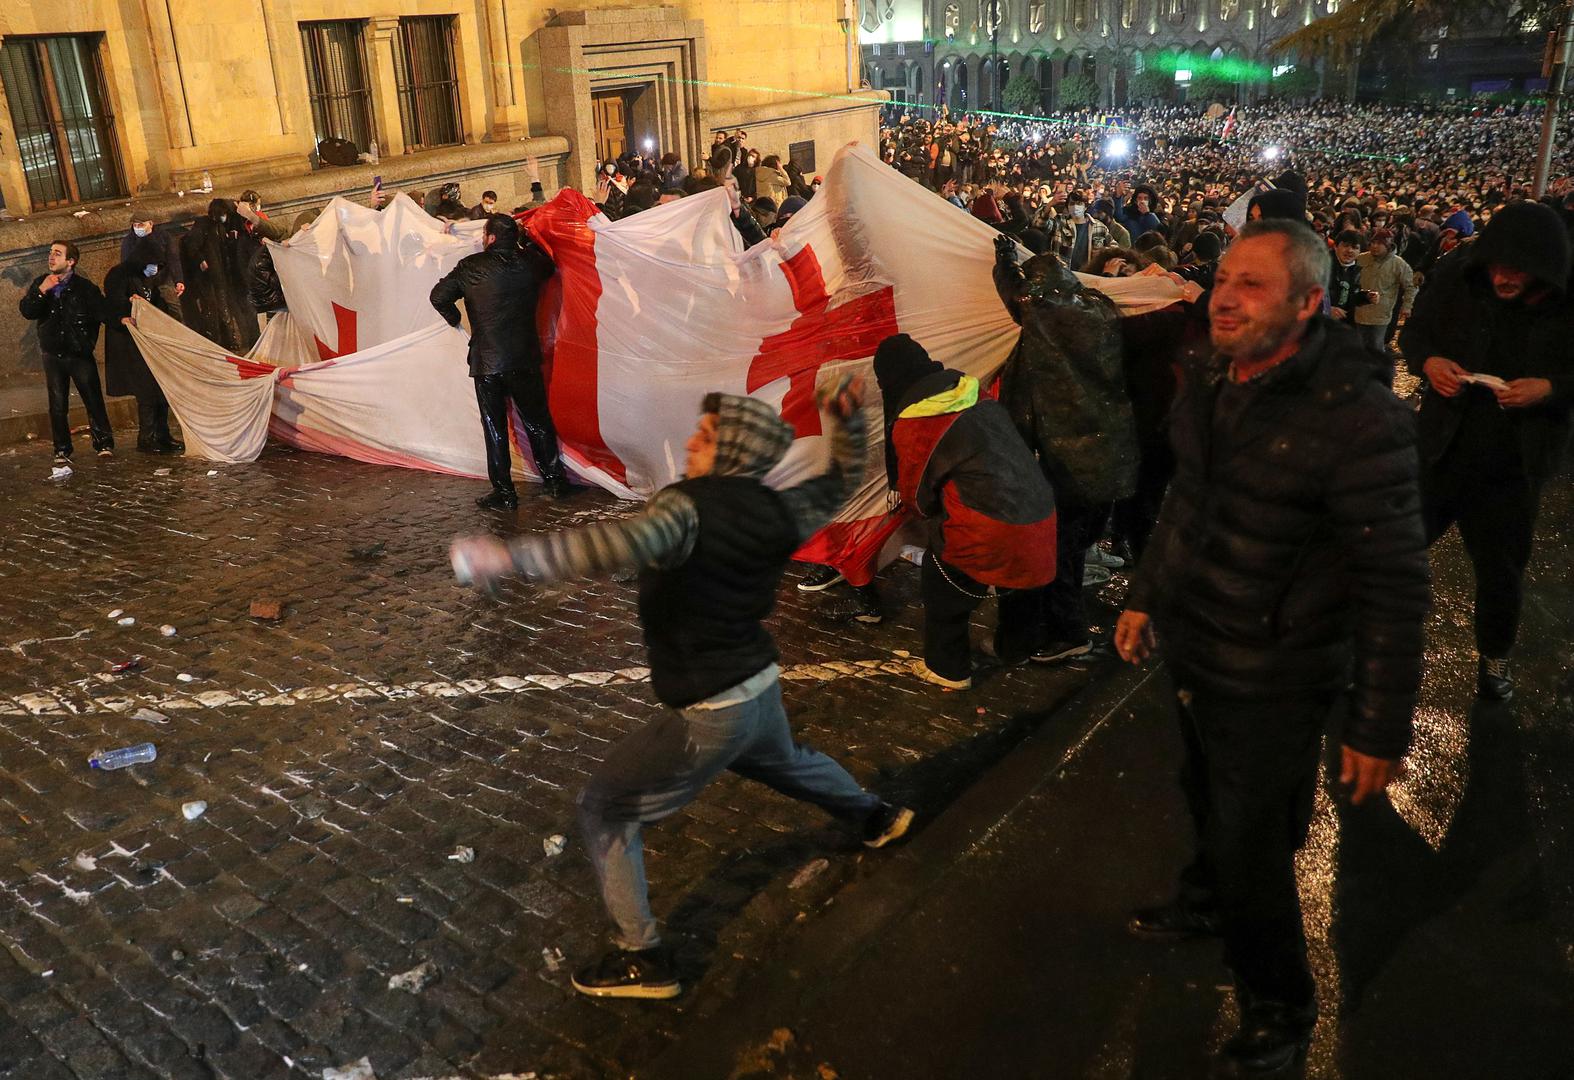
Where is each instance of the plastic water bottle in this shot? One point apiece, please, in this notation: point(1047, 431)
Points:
point(375, 156)
point(207, 182)
point(140, 754)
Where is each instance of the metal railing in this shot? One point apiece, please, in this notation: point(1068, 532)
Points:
point(64, 129)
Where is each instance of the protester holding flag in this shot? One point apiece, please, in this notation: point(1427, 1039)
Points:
point(1064, 387)
point(954, 458)
point(125, 371)
point(500, 286)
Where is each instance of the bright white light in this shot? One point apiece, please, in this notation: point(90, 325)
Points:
point(1034, 136)
point(650, 145)
point(1272, 153)
point(1183, 74)
point(1119, 146)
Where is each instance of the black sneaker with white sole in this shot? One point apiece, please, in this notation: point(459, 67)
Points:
point(819, 579)
point(1056, 651)
point(887, 825)
point(627, 973)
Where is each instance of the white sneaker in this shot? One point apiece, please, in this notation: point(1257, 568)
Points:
point(922, 670)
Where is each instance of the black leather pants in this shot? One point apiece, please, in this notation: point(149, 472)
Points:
point(60, 372)
point(527, 390)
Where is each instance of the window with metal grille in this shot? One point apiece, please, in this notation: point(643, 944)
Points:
point(336, 81)
point(427, 81)
point(64, 129)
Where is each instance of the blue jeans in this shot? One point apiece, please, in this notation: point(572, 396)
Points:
point(659, 769)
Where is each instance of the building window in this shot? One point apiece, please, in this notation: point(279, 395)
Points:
point(64, 130)
point(428, 82)
point(336, 82)
point(991, 14)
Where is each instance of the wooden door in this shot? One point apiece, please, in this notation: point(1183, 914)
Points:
point(611, 116)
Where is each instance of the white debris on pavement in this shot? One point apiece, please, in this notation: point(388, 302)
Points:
point(463, 855)
point(552, 956)
point(194, 809)
point(554, 845)
point(416, 979)
point(73, 698)
point(356, 1070)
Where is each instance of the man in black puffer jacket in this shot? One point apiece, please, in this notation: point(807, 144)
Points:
point(68, 309)
point(1290, 545)
point(1496, 307)
point(500, 287)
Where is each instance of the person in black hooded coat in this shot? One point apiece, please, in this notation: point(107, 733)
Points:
point(144, 269)
point(1499, 308)
point(214, 303)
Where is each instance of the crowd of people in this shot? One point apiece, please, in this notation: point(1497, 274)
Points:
point(1245, 448)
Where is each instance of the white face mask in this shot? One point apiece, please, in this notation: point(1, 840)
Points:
point(141, 230)
point(150, 271)
point(487, 207)
point(1078, 210)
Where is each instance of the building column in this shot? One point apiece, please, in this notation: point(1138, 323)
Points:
point(166, 61)
point(382, 33)
point(270, 17)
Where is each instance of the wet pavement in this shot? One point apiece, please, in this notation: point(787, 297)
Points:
point(348, 750)
point(1441, 923)
point(390, 719)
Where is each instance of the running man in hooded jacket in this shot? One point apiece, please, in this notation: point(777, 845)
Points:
point(711, 550)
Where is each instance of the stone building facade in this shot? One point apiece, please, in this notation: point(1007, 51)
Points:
point(106, 104)
point(943, 51)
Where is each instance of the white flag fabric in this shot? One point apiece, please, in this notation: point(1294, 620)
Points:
point(645, 316)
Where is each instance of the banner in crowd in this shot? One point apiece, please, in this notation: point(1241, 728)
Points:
point(645, 316)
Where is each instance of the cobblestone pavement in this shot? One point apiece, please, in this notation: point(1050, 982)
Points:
point(347, 751)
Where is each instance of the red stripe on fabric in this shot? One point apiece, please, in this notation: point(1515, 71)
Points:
point(853, 547)
point(251, 369)
point(323, 443)
point(820, 335)
point(566, 317)
point(345, 326)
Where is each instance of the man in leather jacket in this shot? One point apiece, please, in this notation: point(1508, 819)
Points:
point(500, 286)
point(68, 309)
point(1289, 561)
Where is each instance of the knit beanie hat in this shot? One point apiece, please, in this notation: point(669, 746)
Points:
point(900, 362)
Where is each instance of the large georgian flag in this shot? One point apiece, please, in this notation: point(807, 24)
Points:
point(645, 316)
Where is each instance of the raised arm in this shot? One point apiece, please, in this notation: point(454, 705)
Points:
point(1010, 282)
point(815, 502)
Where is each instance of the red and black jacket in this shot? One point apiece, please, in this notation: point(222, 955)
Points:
point(971, 470)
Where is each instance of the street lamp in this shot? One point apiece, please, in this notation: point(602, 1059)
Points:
point(994, 55)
